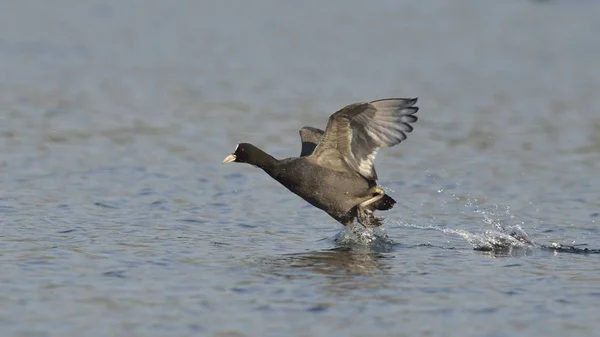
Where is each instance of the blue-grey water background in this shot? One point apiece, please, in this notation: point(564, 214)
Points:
point(118, 219)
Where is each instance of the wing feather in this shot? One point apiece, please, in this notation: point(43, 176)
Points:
point(309, 137)
point(358, 131)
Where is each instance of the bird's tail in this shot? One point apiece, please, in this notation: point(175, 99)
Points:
point(384, 203)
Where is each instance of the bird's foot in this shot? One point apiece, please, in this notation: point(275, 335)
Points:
point(367, 218)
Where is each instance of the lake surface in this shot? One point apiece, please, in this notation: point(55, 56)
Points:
point(118, 219)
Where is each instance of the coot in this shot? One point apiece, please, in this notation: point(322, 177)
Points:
point(336, 174)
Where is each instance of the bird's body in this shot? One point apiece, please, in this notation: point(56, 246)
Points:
point(335, 171)
point(341, 190)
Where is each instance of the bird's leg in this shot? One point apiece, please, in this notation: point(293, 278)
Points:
point(366, 218)
point(365, 214)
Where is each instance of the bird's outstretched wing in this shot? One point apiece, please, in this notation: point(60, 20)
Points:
point(310, 137)
point(355, 133)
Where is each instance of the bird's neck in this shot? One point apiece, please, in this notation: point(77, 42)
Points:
point(262, 159)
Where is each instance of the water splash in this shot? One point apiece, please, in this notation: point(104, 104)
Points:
point(556, 248)
point(358, 237)
point(488, 240)
point(502, 235)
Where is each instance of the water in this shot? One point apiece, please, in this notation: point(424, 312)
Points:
point(118, 219)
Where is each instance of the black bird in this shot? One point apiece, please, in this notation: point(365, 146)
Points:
point(336, 174)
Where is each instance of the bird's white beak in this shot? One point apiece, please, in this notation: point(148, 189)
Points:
point(229, 159)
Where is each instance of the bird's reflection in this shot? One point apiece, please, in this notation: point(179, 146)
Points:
point(338, 261)
point(356, 253)
point(337, 270)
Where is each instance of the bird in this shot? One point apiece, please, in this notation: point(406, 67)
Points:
point(335, 170)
